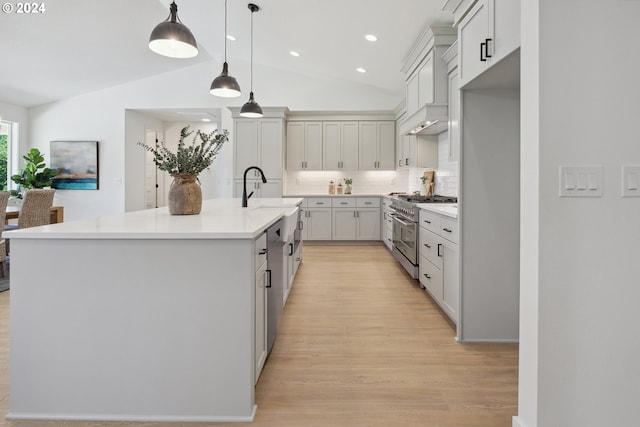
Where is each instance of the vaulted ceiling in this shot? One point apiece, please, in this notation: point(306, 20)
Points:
point(79, 46)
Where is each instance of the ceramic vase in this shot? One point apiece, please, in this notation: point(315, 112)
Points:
point(185, 195)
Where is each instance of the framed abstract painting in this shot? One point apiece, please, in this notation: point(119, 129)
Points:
point(76, 163)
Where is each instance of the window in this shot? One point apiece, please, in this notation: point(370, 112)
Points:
point(8, 142)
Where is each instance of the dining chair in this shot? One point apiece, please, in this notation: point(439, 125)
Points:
point(36, 208)
point(4, 199)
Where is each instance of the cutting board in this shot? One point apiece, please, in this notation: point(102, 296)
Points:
point(429, 182)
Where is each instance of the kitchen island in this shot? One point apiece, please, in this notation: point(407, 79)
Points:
point(142, 316)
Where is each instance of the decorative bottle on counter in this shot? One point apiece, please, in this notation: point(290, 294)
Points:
point(339, 188)
point(332, 188)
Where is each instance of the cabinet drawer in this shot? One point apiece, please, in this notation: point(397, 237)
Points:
point(429, 246)
point(368, 202)
point(430, 221)
point(449, 229)
point(260, 248)
point(318, 202)
point(431, 278)
point(343, 202)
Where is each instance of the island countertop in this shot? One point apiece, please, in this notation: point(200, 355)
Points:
point(219, 219)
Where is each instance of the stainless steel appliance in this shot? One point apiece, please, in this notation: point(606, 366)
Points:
point(405, 228)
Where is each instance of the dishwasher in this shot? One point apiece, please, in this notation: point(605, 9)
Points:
point(276, 265)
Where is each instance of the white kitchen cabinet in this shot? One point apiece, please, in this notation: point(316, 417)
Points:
point(488, 33)
point(453, 75)
point(259, 188)
point(316, 218)
point(386, 224)
point(377, 145)
point(356, 219)
point(258, 142)
point(304, 145)
point(439, 262)
point(340, 145)
point(260, 306)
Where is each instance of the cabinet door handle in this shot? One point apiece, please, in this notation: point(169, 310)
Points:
point(482, 48)
point(406, 161)
point(344, 203)
point(447, 230)
point(427, 221)
point(427, 246)
point(400, 162)
point(301, 225)
point(486, 48)
point(262, 252)
point(427, 276)
point(367, 203)
point(268, 279)
point(290, 249)
point(319, 203)
point(354, 214)
point(439, 246)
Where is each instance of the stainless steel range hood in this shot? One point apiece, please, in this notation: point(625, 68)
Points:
point(431, 119)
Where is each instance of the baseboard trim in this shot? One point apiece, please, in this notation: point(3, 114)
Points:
point(497, 341)
point(517, 422)
point(343, 242)
point(134, 418)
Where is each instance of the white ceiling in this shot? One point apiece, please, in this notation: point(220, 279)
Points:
point(78, 46)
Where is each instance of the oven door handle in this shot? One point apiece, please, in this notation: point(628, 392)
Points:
point(402, 222)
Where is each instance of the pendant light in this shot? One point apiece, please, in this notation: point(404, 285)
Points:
point(251, 108)
point(225, 85)
point(172, 38)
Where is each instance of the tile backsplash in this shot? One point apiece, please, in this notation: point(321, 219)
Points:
point(379, 182)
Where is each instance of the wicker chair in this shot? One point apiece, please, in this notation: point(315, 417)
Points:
point(4, 199)
point(36, 208)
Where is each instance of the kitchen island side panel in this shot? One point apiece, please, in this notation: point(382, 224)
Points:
point(132, 329)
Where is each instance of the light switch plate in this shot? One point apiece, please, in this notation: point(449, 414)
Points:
point(630, 181)
point(581, 181)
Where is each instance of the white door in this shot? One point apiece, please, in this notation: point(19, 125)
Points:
point(245, 145)
point(319, 224)
point(151, 172)
point(349, 137)
point(331, 145)
point(344, 224)
point(270, 145)
point(368, 224)
point(386, 145)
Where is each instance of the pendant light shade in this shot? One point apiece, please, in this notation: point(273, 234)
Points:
point(251, 108)
point(172, 38)
point(225, 85)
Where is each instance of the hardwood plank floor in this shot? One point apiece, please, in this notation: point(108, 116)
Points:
point(360, 344)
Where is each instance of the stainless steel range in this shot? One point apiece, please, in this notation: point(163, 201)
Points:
point(405, 228)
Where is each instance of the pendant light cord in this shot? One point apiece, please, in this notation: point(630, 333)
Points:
point(251, 80)
point(225, 30)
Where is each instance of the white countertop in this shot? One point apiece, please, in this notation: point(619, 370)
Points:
point(335, 195)
point(219, 219)
point(446, 209)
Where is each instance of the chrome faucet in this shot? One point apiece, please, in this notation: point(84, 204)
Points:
point(245, 198)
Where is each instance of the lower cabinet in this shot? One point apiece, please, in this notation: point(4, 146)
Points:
point(359, 219)
point(439, 261)
point(386, 224)
point(260, 307)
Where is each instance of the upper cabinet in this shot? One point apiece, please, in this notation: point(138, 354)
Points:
point(488, 32)
point(259, 142)
point(341, 140)
point(451, 59)
point(304, 145)
point(377, 145)
point(340, 145)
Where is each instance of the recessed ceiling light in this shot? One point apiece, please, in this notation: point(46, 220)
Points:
point(206, 120)
point(294, 53)
point(361, 70)
point(230, 37)
point(371, 37)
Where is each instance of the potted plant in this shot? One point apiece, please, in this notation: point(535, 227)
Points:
point(347, 183)
point(35, 174)
point(185, 195)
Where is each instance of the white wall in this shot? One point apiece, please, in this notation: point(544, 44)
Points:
point(101, 116)
point(586, 283)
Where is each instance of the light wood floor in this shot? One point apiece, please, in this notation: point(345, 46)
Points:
point(359, 345)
